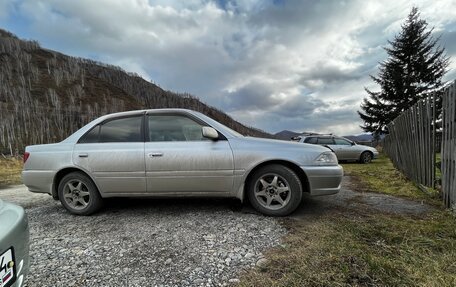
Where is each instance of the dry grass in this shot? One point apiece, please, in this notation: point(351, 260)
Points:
point(10, 171)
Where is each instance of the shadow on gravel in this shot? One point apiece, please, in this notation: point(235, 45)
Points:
point(166, 205)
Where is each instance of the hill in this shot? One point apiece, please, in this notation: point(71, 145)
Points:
point(46, 95)
point(286, 135)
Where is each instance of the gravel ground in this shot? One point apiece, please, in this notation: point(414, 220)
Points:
point(164, 242)
point(143, 242)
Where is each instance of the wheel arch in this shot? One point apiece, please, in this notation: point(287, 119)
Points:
point(364, 151)
point(61, 173)
point(294, 167)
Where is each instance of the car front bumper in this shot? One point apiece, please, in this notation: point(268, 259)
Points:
point(324, 180)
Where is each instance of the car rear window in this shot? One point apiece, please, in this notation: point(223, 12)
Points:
point(91, 136)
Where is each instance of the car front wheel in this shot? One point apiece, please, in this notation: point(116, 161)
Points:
point(275, 190)
point(78, 194)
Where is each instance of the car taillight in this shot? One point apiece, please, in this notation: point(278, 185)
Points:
point(26, 156)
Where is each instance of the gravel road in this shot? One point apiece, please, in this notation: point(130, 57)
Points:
point(143, 242)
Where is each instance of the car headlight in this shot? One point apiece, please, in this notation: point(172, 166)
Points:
point(326, 158)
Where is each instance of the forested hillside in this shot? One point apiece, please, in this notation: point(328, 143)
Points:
point(45, 95)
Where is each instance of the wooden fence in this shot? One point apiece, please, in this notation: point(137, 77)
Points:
point(411, 142)
point(448, 151)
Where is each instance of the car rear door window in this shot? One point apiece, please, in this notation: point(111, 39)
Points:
point(174, 128)
point(311, 140)
point(122, 130)
point(91, 136)
point(325, 141)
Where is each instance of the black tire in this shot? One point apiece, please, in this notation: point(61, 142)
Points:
point(78, 194)
point(366, 157)
point(274, 199)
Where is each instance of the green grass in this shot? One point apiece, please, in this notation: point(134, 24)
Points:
point(342, 249)
point(10, 171)
point(365, 247)
point(381, 176)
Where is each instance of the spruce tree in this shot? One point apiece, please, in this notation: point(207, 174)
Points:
point(414, 68)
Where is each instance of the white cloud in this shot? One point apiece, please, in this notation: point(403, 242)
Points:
point(295, 65)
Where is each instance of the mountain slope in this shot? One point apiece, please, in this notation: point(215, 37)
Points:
point(45, 95)
point(286, 135)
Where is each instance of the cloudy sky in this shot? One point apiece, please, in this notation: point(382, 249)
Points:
point(275, 65)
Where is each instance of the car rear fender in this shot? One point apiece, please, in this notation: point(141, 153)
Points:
point(61, 173)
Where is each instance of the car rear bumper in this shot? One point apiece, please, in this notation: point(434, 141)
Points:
point(38, 180)
point(324, 180)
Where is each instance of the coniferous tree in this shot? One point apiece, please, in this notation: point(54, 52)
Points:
point(414, 68)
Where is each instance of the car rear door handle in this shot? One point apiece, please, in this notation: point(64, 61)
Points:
point(155, 154)
point(83, 155)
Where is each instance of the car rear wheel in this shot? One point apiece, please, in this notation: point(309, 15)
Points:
point(78, 194)
point(366, 157)
point(275, 190)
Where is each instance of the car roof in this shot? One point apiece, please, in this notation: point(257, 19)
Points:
point(227, 132)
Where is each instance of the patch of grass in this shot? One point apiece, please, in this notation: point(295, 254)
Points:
point(381, 176)
point(342, 249)
point(365, 247)
point(10, 171)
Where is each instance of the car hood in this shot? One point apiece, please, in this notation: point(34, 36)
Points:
point(251, 149)
point(272, 143)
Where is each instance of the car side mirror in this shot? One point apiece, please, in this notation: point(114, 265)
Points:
point(210, 133)
point(353, 143)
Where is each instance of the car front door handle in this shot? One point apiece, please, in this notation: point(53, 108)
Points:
point(83, 155)
point(155, 154)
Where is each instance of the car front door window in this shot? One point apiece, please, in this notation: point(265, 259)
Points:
point(174, 128)
point(342, 142)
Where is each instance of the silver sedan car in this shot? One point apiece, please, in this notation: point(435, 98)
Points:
point(345, 149)
point(177, 152)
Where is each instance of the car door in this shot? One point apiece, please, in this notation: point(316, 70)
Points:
point(344, 149)
point(328, 141)
point(113, 153)
point(180, 160)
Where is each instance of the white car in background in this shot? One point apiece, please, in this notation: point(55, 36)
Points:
point(345, 149)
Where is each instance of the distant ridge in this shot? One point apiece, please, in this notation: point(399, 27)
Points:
point(286, 135)
point(46, 95)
